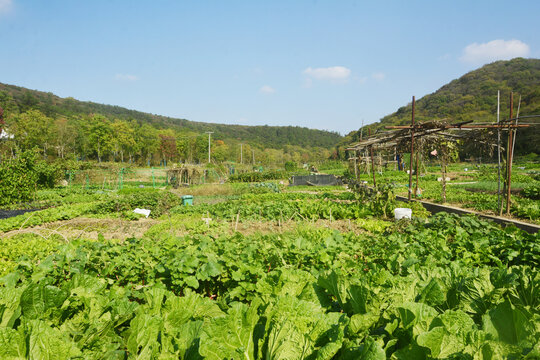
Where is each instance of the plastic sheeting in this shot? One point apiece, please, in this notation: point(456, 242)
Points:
point(315, 180)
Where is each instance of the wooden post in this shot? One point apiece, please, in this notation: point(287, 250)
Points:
point(416, 170)
point(499, 200)
point(395, 159)
point(372, 162)
point(373, 166)
point(510, 154)
point(412, 149)
point(355, 165)
point(443, 158)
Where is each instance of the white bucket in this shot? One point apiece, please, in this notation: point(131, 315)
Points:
point(402, 213)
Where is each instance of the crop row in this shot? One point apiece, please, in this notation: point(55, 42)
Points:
point(444, 287)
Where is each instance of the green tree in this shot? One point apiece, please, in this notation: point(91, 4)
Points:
point(101, 136)
point(124, 138)
point(148, 141)
point(64, 136)
point(32, 129)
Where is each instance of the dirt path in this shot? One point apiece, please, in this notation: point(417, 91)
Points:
point(90, 228)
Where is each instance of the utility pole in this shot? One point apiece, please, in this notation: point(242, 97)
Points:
point(209, 133)
point(253, 153)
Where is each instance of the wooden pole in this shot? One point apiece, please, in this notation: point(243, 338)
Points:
point(510, 154)
point(355, 165)
point(372, 162)
point(412, 149)
point(499, 204)
point(443, 158)
point(515, 129)
point(373, 166)
point(416, 170)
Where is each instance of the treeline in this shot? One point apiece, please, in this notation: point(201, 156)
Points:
point(276, 137)
point(103, 138)
point(473, 97)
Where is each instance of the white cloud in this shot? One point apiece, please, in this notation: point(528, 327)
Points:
point(5, 6)
point(124, 77)
point(379, 76)
point(328, 73)
point(267, 89)
point(494, 50)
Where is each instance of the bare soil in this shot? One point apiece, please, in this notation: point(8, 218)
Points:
point(90, 228)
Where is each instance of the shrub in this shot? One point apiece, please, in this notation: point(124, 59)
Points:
point(290, 166)
point(47, 174)
point(18, 178)
point(158, 202)
point(258, 176)
point(532, 191)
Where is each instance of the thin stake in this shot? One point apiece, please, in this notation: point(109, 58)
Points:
point(416, 185)
point(509, 160)
point(372, 162)
point(412, 148)
point(499, 203)
point(517, 119)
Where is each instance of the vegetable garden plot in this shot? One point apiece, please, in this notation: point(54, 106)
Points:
point(425, 290)
point(442, 287)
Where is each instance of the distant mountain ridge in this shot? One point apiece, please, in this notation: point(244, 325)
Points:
point(268, 136)
point(474, 97)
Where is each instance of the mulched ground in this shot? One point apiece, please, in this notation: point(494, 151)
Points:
point(4, 214)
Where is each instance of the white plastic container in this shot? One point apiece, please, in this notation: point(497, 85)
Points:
point(402, 213)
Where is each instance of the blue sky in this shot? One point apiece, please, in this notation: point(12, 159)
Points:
point(320, 64)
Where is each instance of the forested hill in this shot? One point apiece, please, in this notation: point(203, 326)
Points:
point(264, 136)
point(474, 97)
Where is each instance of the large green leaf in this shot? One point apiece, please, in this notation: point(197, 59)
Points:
point(368, 350)
point(183, 343)
point(433, 293)
point(12, 344)
point(417, 316)
point(411, 351)
point(455, 322)
point(440, 342)
point(37, 299)
point(298, 329)
point(230, 336)
point(372, 350)
point(143, 342)
point(48, 343)
point(508, 323)
point(363, 322)
point(9, 305)
point(191, 306)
